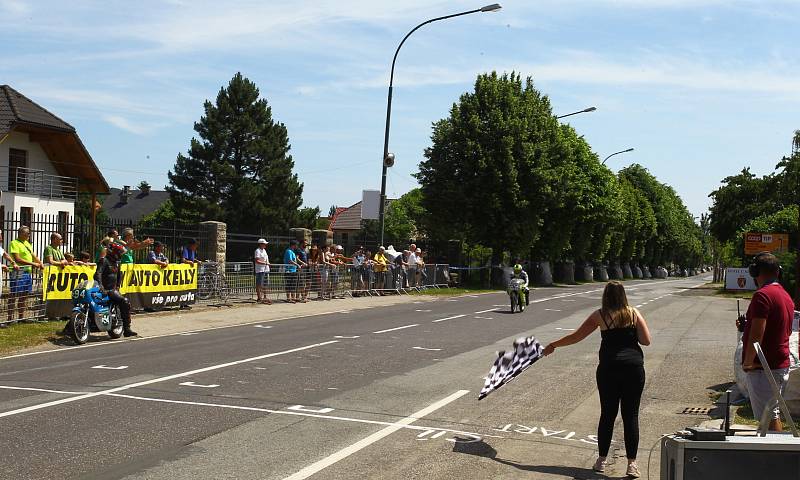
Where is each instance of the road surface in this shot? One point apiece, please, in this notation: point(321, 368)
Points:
point(388, 392)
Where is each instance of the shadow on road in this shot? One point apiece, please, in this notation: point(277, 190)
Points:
point(482, 449)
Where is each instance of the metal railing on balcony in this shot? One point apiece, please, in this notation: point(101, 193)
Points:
point(37, 182)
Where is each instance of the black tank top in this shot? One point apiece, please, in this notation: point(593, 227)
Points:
point(620, 346)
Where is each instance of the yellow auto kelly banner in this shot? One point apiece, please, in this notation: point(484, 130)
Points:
point(145, 285)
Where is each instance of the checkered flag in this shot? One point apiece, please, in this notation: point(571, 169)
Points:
point(510, 364)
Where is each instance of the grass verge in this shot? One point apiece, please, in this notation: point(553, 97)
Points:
point(744, 416)
point(23, 335)
point(719, 290)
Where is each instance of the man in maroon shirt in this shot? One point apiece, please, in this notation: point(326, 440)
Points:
point(769, 322)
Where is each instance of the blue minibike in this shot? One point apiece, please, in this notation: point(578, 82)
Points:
point(91, 313)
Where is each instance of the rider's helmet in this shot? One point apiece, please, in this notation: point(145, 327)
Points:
point(517, 269)
point(116, 250)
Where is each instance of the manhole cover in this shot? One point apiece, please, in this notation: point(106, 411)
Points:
point(695, 411)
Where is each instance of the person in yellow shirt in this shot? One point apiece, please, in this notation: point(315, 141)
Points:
point(380, 268)
point(21, 251)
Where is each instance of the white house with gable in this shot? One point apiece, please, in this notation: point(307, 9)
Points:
point(43, 167)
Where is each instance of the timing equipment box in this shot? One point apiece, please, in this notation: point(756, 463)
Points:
point(776, 456)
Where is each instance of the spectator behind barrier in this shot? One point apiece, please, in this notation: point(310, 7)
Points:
point(156, 256)
point(3, 267)
point(130, 243)
point(261, 269)
point(189, 252)
point(53, 254)
point(380, 267)
point(22, 280)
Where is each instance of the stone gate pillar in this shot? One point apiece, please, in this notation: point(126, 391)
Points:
point(213, 236)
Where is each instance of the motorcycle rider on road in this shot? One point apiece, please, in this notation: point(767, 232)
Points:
point(521, 274)
point(108, 278)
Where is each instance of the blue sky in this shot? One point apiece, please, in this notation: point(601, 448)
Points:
point(700, 88)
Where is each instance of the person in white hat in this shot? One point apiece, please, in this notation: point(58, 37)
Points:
point(261, 259)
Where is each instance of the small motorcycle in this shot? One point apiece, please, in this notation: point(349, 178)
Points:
point(515, 289)
point(92, 313)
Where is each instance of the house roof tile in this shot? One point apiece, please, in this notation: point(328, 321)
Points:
point(17, 108)
point(139, 204)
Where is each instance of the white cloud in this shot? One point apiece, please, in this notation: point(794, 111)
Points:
point(775, 77)
point(17, 8)
point(124, 124)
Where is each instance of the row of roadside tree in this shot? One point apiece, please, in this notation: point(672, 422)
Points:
point(504, 173)
point(746, 202)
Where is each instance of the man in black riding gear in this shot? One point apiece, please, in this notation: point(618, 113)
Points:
point(109, 278)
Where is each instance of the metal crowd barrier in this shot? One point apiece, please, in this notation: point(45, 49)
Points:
point(221, 283)
point(21, 299)
point(315, 282)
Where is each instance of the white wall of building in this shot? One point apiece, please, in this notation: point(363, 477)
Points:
point(13, 202)
point(37, 159)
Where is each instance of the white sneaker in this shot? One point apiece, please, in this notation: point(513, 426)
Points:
point(633, 470)
point(600, 465)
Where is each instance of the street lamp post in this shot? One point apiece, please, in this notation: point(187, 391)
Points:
point(388, 160)
point(616, 153)
point(585, 110)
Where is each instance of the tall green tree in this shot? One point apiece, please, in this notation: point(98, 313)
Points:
point(239, 169)
point(486, 179)
point(741, 198)
point(404, 216)
point(308, 217)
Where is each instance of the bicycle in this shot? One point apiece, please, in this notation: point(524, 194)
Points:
point(211, 282)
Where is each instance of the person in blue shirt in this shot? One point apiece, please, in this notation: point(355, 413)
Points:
point(303, 277)
point(189, 252)
point(291, 264)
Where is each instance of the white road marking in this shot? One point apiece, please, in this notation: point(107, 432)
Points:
point(367, 441)
point(637, 306)
point(483, 318)
point(552, 310)
point(567, 329)
point(151, 337)
point(485, 311)
point(104, 367)
point(397, 328)
point(424, 434)
point(346, 336)
point(302, 408)
point(449, 318)
point(8, 387)
point(428, 349)
point(192, 384)
point(567, 300)
point(421, 310)
point(295, 413)
point(263, 326)
point(158, 380)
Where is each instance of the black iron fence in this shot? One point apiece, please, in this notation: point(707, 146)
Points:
point(79, 236)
